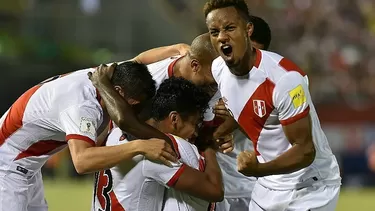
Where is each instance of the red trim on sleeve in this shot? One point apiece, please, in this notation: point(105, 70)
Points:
point(295, 118)
point(80, 137)
point(176, 176)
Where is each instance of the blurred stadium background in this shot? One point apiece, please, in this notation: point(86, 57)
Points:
point(332, 40)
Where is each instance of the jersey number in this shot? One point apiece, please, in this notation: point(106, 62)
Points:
point(103, 187)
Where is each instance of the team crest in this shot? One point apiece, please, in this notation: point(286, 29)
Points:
point(259, 108)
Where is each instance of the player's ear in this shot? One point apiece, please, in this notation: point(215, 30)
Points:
point(250, 28)
point(195, 65)
point(174, 118)
point(120, 91)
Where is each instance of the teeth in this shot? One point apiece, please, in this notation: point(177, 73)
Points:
point(225, 47)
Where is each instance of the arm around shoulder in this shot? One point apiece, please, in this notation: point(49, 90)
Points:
point(157, 54)
point(207, 185)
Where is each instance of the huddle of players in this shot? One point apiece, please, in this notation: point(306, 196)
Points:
point(196, 179)
point(297, 170)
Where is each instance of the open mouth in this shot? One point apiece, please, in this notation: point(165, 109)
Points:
point(227, 50)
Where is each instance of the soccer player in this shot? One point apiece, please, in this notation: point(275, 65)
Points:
point(68, 111)
point(195, 66)
point(192, 182)
point(292, 159)
point(261, 34)
point(238, 188)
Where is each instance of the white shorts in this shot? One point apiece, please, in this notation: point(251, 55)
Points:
point(312, 198)
point(19, 193)
point(233, 204)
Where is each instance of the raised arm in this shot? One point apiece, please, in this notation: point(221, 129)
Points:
point(157, 54)
point(81, 122)
point(119, 110)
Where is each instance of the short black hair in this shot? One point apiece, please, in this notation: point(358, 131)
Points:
point(262, 31)
point(180, 95)
point(240, 6)
point(135, 80)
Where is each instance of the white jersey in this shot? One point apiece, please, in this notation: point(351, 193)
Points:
point(236, 185)
point(144, 185)
point(276, 95)
point(41, 121)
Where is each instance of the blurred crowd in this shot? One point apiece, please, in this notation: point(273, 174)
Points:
point(334, 42)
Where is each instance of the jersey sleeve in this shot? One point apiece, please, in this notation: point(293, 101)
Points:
point(291, 98)
point(81, 122)
point(163, 174)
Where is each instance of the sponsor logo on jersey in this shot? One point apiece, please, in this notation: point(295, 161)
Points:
point(298, 96)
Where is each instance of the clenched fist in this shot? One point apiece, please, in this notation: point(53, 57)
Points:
point(247, 163)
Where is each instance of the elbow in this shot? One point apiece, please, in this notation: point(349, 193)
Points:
point(220, 195)
point(80, 167)
point(309, 154)
point(217, 194)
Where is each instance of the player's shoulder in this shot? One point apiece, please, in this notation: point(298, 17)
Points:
point(217, 67)
point(70, 89)
point(163, 69)
point(218, 64)
point(182, 146)
point(276, 66)
point(178, 141)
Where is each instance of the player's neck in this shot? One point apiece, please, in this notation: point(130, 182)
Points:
point(156, 124)
point(247, 62)
point(178, 68)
